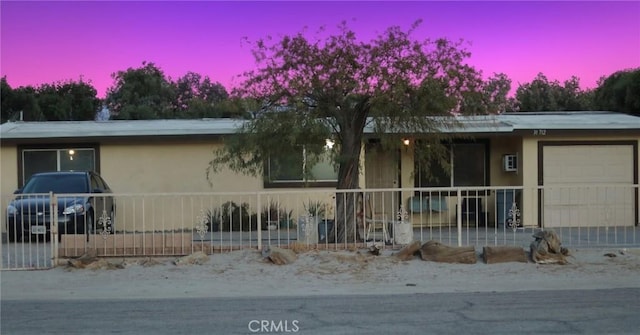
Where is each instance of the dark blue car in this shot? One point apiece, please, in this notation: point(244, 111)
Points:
point(84, 205)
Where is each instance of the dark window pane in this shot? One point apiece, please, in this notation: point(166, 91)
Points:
point(34, 161)
point(469, 165)
point(286, 167)
point(433, 176)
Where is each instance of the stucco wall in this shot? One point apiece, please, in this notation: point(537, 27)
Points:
point(167, 167)
point(8, 169)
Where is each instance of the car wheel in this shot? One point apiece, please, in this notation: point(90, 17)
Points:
point(13, 235)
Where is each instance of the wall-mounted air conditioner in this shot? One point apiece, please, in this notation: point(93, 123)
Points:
point(510, 163)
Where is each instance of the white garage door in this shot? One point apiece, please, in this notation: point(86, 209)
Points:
point(588, 186)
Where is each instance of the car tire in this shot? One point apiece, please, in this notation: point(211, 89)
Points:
point(13, 235)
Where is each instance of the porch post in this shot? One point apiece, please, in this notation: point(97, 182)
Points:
point(259, 226)
point(53, 211)
point(459, 217)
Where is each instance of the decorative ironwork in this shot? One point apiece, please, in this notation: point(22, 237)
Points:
point(202, 224)
point(403, 215)
point(513, 220)
point(104, 221)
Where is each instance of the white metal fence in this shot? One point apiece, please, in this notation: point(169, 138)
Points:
point(178, 224)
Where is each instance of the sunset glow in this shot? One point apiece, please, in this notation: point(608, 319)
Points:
point(44, 42)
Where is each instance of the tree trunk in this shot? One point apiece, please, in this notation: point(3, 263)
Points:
point(346, 205)
point(437, 252)
point(351, 125)
point(547, 249)
point(503, 254)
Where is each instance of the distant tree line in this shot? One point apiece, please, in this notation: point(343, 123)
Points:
point(147, 93)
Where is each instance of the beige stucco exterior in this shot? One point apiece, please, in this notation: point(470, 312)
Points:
point(168, 167)
point(171, 166)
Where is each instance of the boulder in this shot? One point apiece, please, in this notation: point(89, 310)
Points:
point(85, 259)
point(279, 256)
point(197, 258)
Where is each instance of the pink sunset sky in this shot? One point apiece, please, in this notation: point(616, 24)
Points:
point(44, 42)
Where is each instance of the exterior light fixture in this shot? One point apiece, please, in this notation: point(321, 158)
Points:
point(329, 144)
point(71, 153)
point(406, 141)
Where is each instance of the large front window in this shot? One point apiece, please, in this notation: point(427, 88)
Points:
point(468, 167)
point(287, 170)
point(34, 160)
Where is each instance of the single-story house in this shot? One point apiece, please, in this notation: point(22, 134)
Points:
point(526, 151)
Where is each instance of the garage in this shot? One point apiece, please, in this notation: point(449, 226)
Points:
point(588, 184)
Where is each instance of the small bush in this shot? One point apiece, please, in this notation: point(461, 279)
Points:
point(275, 213)
point(231, 217)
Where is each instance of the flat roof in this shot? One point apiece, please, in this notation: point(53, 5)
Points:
point(499, 123)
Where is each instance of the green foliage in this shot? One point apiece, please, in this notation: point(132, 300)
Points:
point(69, 100)
point(619, 92)
point(141, 93)
point(275, 212)
point(544, 95)
point(198, 97)
point(231, 217)
point(315, 208)
point(308, 91)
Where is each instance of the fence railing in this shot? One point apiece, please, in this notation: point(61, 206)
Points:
point(40, 229)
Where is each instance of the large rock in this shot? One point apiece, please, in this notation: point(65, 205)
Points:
point(197, 258)
point(279, 256)
point(437, 252)
point(85, 259)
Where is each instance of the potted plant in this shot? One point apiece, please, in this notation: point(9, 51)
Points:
point(274, 216)
point(315, 209)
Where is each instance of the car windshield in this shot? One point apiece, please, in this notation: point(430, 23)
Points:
point(56, 184)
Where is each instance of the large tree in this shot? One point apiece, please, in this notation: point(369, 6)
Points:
point(619, 92)
point(544, 95)
point(141, 93)
point(198, 97)
point(307, 91)
point(68, 101)
point(20, 103)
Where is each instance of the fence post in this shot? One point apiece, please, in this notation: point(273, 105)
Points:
point(459, 217)
point(53, 211)
point(259, 226)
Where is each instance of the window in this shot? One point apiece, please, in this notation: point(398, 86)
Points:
point(33, 160)
point(469, 167)
point(287, 170)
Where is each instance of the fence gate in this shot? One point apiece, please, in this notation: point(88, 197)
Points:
point(27, 255)
point(32, 248)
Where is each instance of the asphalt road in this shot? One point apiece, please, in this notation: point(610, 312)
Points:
point(612, 311)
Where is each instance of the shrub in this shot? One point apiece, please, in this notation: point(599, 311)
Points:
point(231, 217)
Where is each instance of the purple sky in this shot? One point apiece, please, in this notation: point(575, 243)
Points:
point(44, 42)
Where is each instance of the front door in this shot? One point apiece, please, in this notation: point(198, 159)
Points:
point(382, 171)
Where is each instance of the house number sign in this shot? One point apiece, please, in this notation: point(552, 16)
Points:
point(539, 132)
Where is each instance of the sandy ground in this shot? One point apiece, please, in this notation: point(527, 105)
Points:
point(247, 273)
